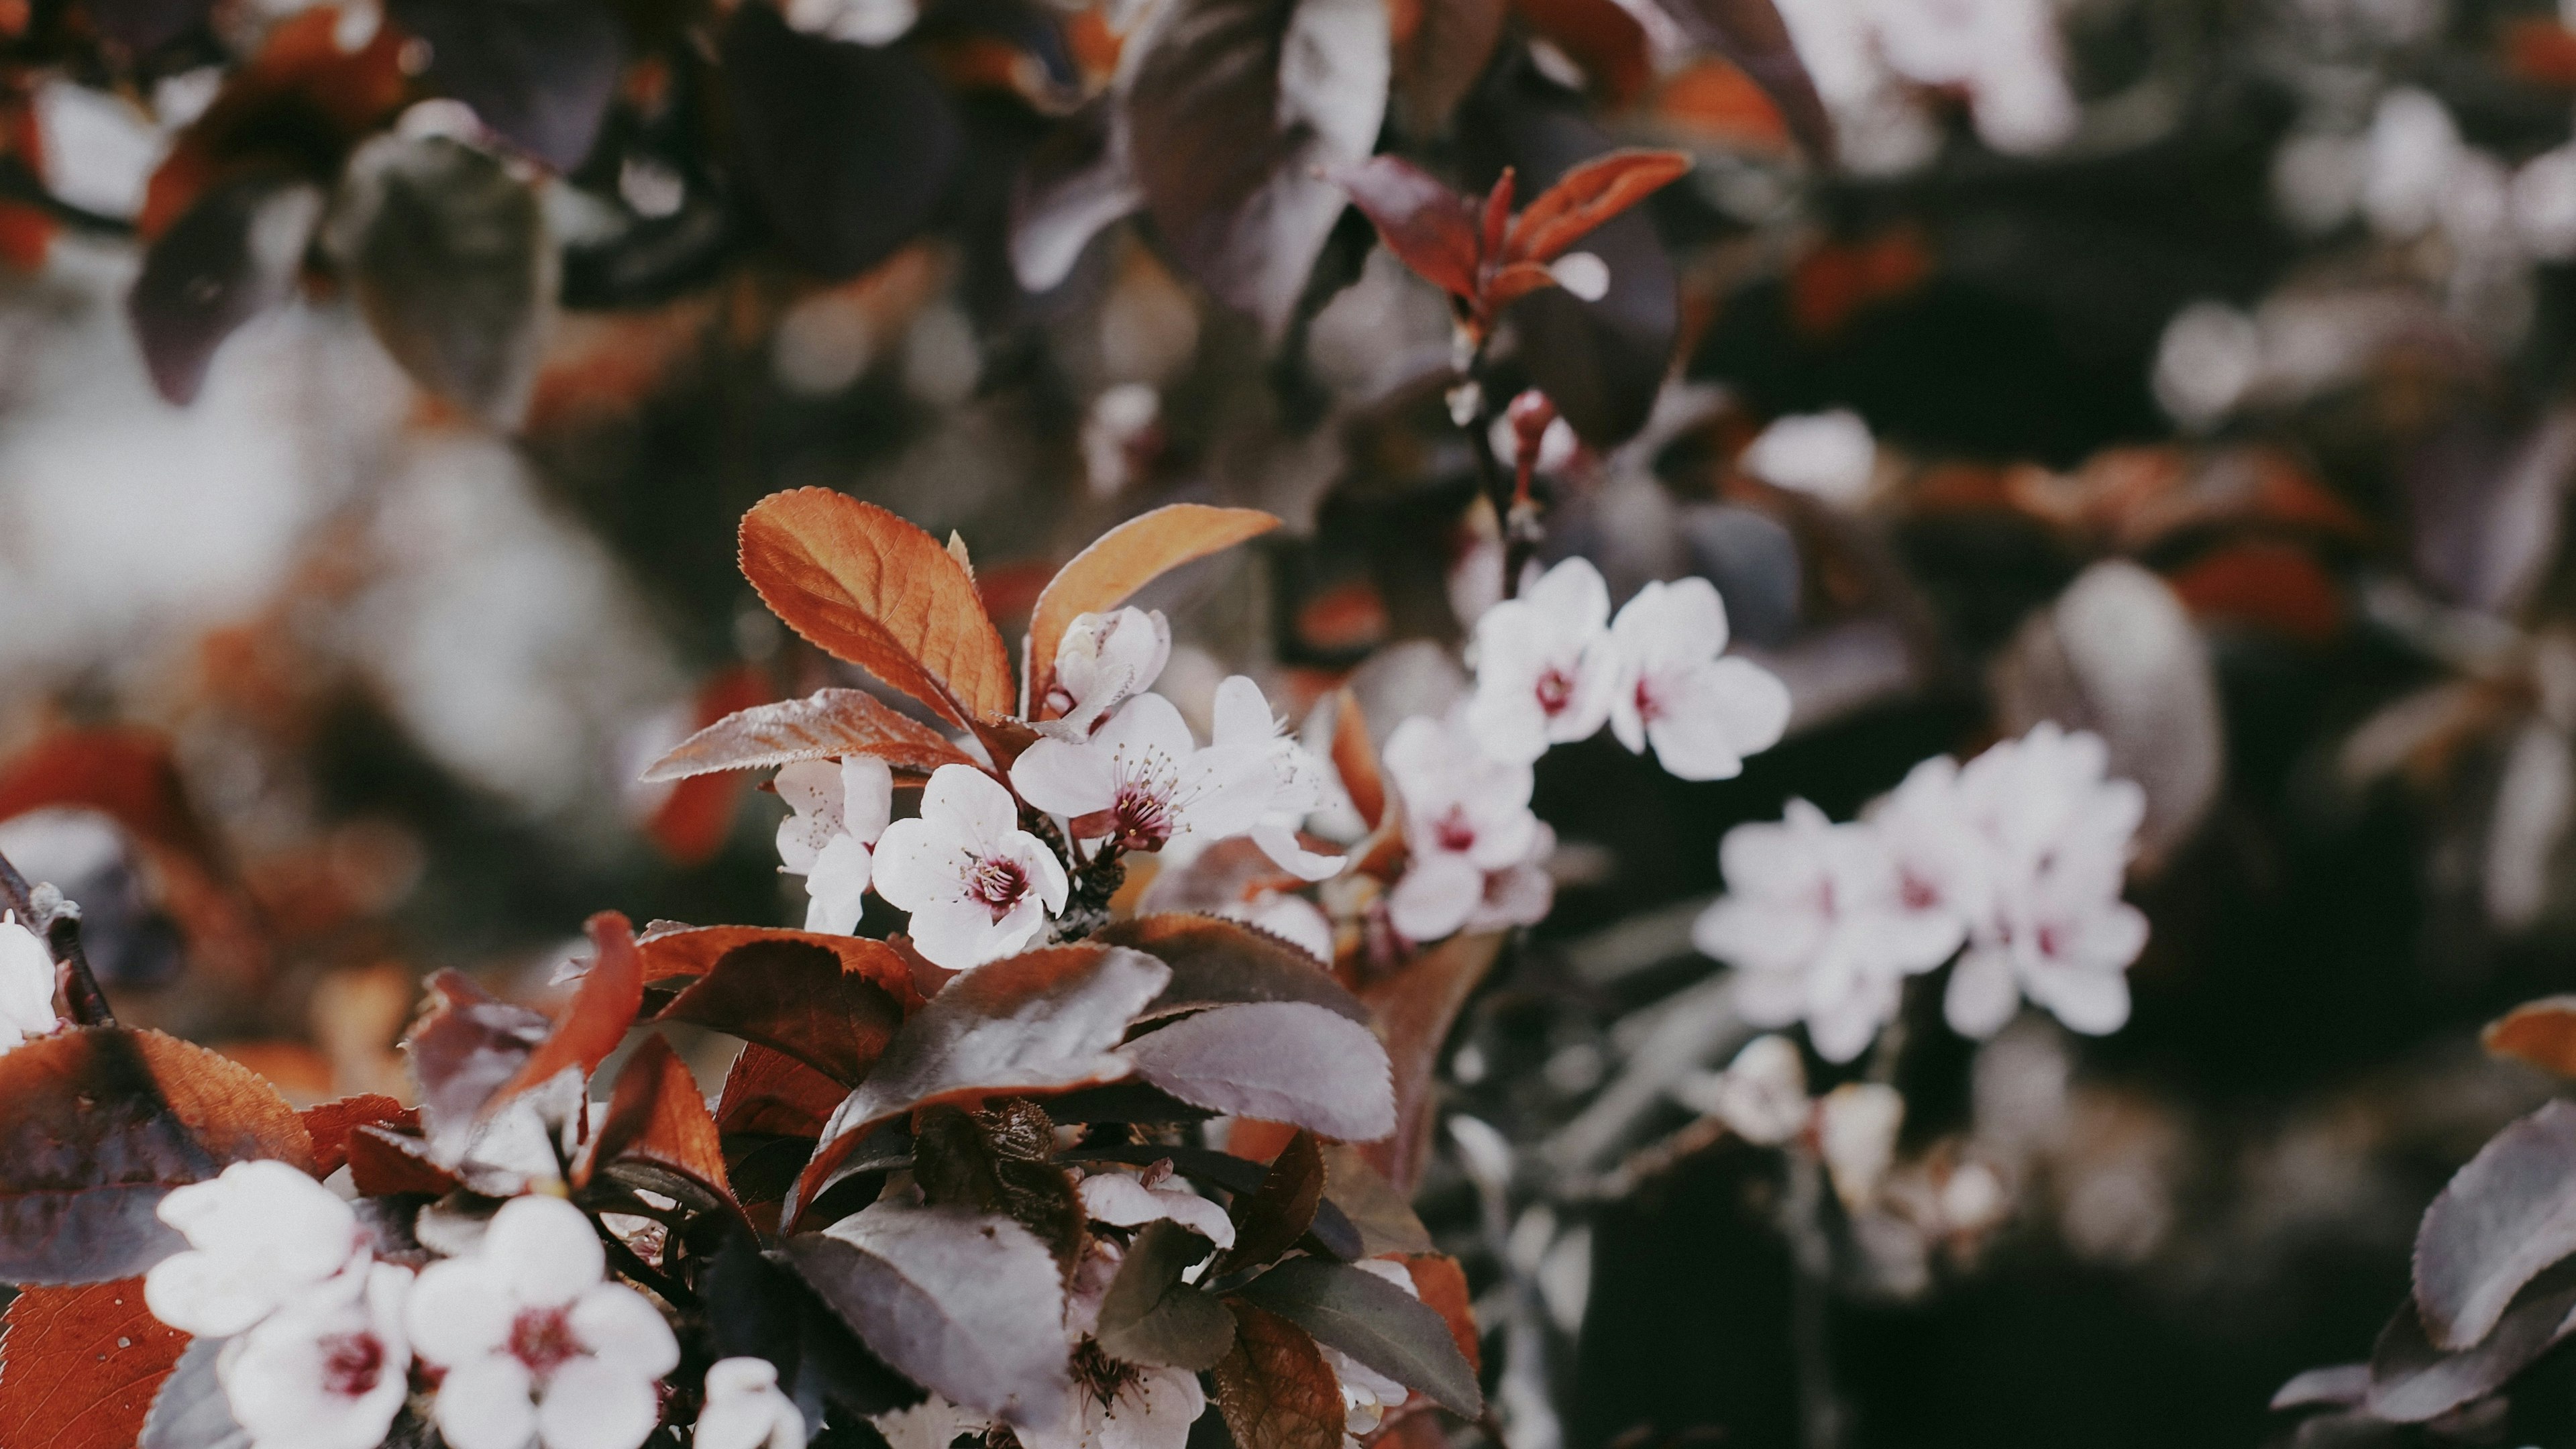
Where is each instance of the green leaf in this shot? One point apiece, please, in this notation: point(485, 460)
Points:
point(1373, 1321)
point(1149, 1316)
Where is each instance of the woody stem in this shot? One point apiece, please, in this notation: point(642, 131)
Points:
point(60, 922)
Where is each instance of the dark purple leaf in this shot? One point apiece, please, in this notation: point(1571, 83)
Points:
point(1752, 34)
point(2506, 1216)
point(1285, 1061)
point(1428, 226)
point(1374, 1322)
point(2411, 1380)
point(464, 1048)
point(144, 26)
point(1149, 1316)
point(1217, 962)
point(801, 999)
point(757, 1308)
point(2341, 1385)
point(539, 72)
point(190, 1411)
point(232, 256)
point(1438, 63)
point(1270, 1219)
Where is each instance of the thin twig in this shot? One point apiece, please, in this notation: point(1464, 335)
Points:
point(61, 924)
point(1811, 1258)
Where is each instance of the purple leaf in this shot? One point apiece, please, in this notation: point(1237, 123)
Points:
point(1286, 1061)
point(539, 72)
point(229, 258)
point(2411, 1380)
point(2502, 1219)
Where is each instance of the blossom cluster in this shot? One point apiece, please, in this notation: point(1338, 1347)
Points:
point(2018, 857)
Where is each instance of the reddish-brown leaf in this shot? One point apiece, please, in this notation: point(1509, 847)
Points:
point(824, 725)
point(1429, 227)
point(866, 586)
point(386, 1163)
point(79, 1366)
point(1415, 1008)
point(1123, 560)
point(1270, 1219)
point(100, 1123)
point(1217, 962)
point(2541, 1033)
point(1442, 1284)
point(1514, 282)
point(464, 1047)
point(658, 1117)
point(1587, 196)
point(695, 816)
point(1441, 47)
point(601, 1010)
point(1752, 34)
point(772, 1093)
point(1273, 1386)
point(1355, 758)
point(674, 951)
point(330, 1124)
point(1602, 38)
point(833, 1011)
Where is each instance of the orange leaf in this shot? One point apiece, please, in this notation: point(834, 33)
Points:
point(2276, 585)
point(691, 824)
point(1355, 759)
point(330, 1124)
point(386, 1163)
point(833, 1010)
point(1415, 1007)
point(79, 1366)
point(824, 725)
point(2542, 1033)
point(1123, 560)
point(1273, 1386)
point(602, 1008)
point(658, 1117)
point(1587, 196)
point(865, 586)
point(769, 1091)
point(2540, 50)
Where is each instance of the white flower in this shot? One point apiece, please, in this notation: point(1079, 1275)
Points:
point(931, 1424)
point(2057, 833)
point(1944, 864)
point(1466, 817)
point(1703, 714)
point(745, 1410)
point(1152, 1408)
point(1141, 781)
point(26, 985)
point(861, 22)
point(1104, 661)
point(1544, 670)
point(2413, 150)
point(1293, 919)
point(538, 1348)
point(327, 1371)
point(840, 811)
point(978, 887)
point(1366, 1393)
point(1124, 1201)
point(1814, 922)
point(1761, 1096)
point(1856, 1126)
point(1826, 455)
point(1296, 786)
point(259, 1235)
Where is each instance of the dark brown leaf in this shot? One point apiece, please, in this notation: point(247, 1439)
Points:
point(805, 998)
point(657, 1117)
point(330, 1124)
point(772, 1093)
point(1381, 1217)
point(1149, 1316)
point(824, 725)
point(1439, 56)
point(101, 1123)
point(601, 1010)
point(539, 72)
point(1752, 34)
point(1429, 227)
point(79, 1366)
point(1270, 1219)
point(1123, 560)
point(1273, 1386)
point(1415, 1008)
point(1374, 1322)
point(386, 1163)
point(1217, 962)
point(234, 255)
point(868, 587)
point(994, 1162)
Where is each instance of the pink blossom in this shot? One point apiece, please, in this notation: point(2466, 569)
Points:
point(1103, 661)
point(1141, 781)
point(1702, 714)
point(979, 888)
point(840, 809)
point(260, 1235)
point(327, 1371)
point(1544, 667)
point(1466, 819)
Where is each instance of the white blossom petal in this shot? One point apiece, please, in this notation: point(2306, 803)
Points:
point(486, 1404)
point(588, 1404)
point(547, 1247)
point(623, 1329)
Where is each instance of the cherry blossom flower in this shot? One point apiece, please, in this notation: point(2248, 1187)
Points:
point(1466, 818)
point(745, 1409)
point(1142, 782)
point(538, 1348)
point(1130, 1201)
point(26, 985)
point(1150, 1408)
point(1544, 668)
point(1297, 786)
point(1104, 661)
point(1944, 865)
point(259, 1235)
point(931, 1424)
point(1703, 714)
point(1761, 1096)
point(1826, 455)
point(979, 888)
point(327, 1371)
point(1815, 922)
point(840, 811)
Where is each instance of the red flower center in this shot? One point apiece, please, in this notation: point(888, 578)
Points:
point(351, 1364)
point(1455, 831)
point(1555, 690)
point(998, 883)
point(1647, 709)
point(1143, 815)
point(542, 1338)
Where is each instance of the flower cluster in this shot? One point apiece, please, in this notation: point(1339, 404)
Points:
point(2018, 856)
point(1872, 60)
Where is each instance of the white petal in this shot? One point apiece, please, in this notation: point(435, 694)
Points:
point(2095, 1003)
point(1045, 872)
point(1242, 714)
point(867, 797)
point(1434, 897)
point(624, 1330)
point(1291, 918)
point(1066, 777)
point(460, 1311)
point(485, 1405)
point(836, 887)
point(1982, 994)
point(547, 1247)
point(589, 1405)
point(951, 933)
point(1583, 274)
point(915, 864)
point(1279, 842)
point(969, 804)
point(1122, 1202)
point(207, 1295)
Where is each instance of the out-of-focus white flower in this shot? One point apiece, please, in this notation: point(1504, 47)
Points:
point(260, 1234)
point(1856, 1126)
point(1466, 818)
point(1544, 666)
point(1141, 780)
point(1294, 919)
point(2411, 153)
point(978, 887)
point(2317, 178)
point(1119, 436)
point(862, 22)
point(329, 1370)
point(538, 1348)
point(2021, 104)
point(1583, 274)
point(840, 811)
point(1702, 713)
point(1152, 1409)
point(1367, 1395)
point(1243, 723)
point(1944, 873)
point(1828, 455)
point(1762, 1094)
point(2002, 52)
point(26, 985)
point(931, 1424)
point(1104, 661)
point(99, 149)
point(745, 1409)
point(2206, 362)
point(1815, 923)
point(1125, 1200)
point(2544, 204)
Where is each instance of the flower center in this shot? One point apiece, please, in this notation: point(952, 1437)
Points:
point(542, 1339)
point(351, 1364)
point(1648, 710)
point(1143, 815)
point(1455, 831)
point(1916, 894)
point(998, 883)
point(1555, 690)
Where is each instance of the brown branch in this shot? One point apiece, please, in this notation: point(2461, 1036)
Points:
point(61, 927)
